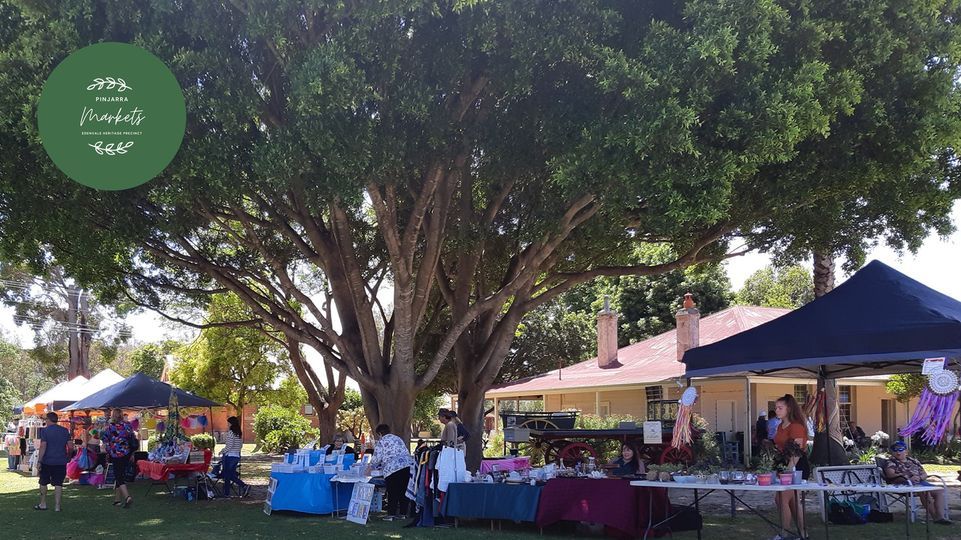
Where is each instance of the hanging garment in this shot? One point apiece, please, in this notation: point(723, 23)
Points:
point(451, 467)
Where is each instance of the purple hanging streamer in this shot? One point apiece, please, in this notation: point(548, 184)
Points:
point(931, 417)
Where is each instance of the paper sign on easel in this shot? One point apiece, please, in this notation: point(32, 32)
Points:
point(653, 433)
point(360, 500)
point(932, 366)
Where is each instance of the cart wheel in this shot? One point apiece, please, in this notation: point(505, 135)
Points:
point(553, 450)
point(539, 424)
point(677, 455)
point(576, 452)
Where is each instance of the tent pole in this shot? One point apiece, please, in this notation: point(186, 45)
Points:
point(749, 409)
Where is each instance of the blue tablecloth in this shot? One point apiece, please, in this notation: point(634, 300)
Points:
point(309, 493)
point(492, 501)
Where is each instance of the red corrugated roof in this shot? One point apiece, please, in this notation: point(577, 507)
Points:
point(648, 361)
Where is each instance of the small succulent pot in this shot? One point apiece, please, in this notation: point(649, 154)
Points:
point(652, 476)
point(786, 478)
point(665, 477)
point(764, 479)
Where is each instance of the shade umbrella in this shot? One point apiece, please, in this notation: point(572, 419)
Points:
point(139, 392)
point(879, 321)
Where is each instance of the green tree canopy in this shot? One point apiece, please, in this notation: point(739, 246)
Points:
point(481, 157)
point(149, 358)
point(289, 394)
point(9, 398)
point(906, 386)
point(230, 364)
point(787, 287)
point(23, 371)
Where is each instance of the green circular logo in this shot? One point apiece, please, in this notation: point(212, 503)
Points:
point(111, 116)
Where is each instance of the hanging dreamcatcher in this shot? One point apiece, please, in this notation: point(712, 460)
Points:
point(816, 409)
point(682, 426)
point(934, 410)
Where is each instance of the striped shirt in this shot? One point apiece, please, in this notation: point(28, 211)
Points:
point(234, 444)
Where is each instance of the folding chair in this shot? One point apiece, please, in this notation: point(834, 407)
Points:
point(841, 475)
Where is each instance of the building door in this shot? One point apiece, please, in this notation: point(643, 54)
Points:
point(725, 418)
point(888, 419)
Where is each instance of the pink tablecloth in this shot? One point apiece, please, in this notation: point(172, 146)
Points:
point(159, 471)
point(504, 465)
point(624, 509)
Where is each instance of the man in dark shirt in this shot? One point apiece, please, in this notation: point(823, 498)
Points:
point(55, 447)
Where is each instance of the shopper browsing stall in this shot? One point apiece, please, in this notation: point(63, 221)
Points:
point(448, 436)
point(231, 458)
point(120, 441)
point(392, 456)
point(54, 453)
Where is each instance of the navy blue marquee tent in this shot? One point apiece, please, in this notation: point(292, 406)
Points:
point(879, 321)
point(139, 392)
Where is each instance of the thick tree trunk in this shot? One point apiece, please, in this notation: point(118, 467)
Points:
point(828, 446)
point(326, 422)
point(75, 367)
point(394, 407)
point(470, 402)
point(479, 358)
point(86, 335)
point(823, 274)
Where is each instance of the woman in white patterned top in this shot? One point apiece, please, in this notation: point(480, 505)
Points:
point(231, 454)
point(392, 456)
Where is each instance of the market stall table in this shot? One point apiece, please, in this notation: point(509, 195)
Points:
point(609, 501)
point(164, 472)
point(310, 493)
point(707, 489)
point(476, 500)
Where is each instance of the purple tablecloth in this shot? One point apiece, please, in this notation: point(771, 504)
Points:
point(613, 502)
point(506, 464)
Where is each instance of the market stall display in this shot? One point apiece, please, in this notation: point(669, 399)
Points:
point(612, 502)
point(505, 464)
point(477, 500)
point(162, 472)
point(304, 482)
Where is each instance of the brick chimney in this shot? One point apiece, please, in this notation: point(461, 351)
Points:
point(688, 326)
point(606, 336)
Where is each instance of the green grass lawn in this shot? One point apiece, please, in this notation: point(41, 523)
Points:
point(88, 513)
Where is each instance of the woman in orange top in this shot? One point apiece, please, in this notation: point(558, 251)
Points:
point(792, 428)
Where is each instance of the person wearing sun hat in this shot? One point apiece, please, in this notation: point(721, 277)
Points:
point(903, 469)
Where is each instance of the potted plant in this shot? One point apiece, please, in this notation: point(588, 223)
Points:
point(653, 471)
point(791, 454)
point(765, 470)
point(667, 469)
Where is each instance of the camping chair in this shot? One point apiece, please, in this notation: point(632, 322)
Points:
point(914, 502)
point(215, 477)
point(841, 475)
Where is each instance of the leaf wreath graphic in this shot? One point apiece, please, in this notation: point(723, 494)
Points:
point(110, 149)
point(109, 83)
